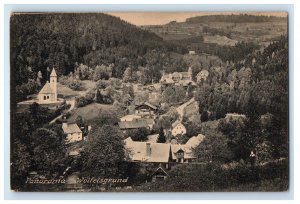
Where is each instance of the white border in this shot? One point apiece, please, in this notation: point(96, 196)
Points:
point(295, 97)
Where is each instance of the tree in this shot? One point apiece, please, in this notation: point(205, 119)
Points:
point(139, 134)
point(99, 97)
point(127, 76)
point(20, 165)
point(204, 116)
point(39, 78)
point(161, 137)
point(213, 148)
point(48, 150)
point(104, 153)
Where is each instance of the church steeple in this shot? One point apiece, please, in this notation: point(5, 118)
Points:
point(53, 73)
point(53, 84)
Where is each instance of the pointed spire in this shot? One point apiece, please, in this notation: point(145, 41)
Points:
point(53, 73)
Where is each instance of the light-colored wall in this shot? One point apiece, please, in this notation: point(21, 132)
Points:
point(74, 137)
point(178, 129)
point(41, 97)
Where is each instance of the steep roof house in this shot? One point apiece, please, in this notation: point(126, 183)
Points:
point(162, 152)
point(178, 129)
point(72, 131)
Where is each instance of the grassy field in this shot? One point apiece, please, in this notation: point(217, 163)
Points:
point(66, 92)
point(91, 111)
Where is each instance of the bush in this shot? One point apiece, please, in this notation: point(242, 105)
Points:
point(82, 101)
point(22, 91)
point(71, 82)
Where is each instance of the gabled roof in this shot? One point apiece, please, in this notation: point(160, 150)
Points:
point(159, 169)
point(70, 128)
point(133, 124)
point(46, 89)
point(53, 73)
point(188, 153)
point(138, 151)
point(194, 141)
point(177, 123)
point(147, 104)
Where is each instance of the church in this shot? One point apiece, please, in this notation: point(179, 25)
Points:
point(48, 93)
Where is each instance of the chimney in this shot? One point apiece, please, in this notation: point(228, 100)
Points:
point(148, 150)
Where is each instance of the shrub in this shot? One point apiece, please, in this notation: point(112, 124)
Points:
point(82, 101)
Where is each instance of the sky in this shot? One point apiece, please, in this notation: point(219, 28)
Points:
point(160, 18)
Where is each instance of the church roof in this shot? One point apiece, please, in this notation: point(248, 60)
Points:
point(53, 73)
point(46, 89)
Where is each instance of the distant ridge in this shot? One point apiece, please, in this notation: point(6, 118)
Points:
point(241, 18)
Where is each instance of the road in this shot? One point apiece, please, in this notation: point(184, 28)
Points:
point(72, 103)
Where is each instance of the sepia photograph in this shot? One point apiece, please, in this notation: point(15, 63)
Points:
point(149, 102)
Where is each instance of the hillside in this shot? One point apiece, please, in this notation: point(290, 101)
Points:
point(42, 40)
point(248, 28)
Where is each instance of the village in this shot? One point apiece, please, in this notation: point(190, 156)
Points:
point(161, 145)
point(200, 105)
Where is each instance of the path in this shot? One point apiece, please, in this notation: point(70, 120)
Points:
point(72, 103)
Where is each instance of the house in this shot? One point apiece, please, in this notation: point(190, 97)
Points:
point(162, 153)
point(146, 109)
point(191, 52)
point(159, 175)
point(130, 118)
point(234, 116)
point(136, 124)
point(147, 152)
point(48, 94)
point(72, 132)
point(178, 78)
point(202, 75)
point(178, 129)
point(182, 154)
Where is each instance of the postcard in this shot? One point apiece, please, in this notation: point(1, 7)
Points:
point(149, 102)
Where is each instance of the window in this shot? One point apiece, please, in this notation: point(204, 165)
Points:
point(47, 97)
point(53, 80)
point(44, 97)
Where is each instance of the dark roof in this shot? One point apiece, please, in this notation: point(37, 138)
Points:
point(133, 124)
point(147, 104)
point(160, 170)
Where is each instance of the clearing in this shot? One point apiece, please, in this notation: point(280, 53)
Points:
point(91, 111)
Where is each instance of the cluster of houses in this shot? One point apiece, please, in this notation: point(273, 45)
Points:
point(178, 78)
point(162, 153)
point(183, 78)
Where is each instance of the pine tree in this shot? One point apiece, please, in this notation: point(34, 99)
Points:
point(161, 137)
point(99, 97)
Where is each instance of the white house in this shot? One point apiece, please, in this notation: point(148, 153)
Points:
point(48, 93)
point(73, 132)
point(234, 116)
point(192, 52)
point(178, 128)
point(130, 118)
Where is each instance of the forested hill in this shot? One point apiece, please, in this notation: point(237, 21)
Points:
point(39, 41)
point(242, 18)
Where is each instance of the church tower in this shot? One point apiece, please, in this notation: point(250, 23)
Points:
point(53, 84)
